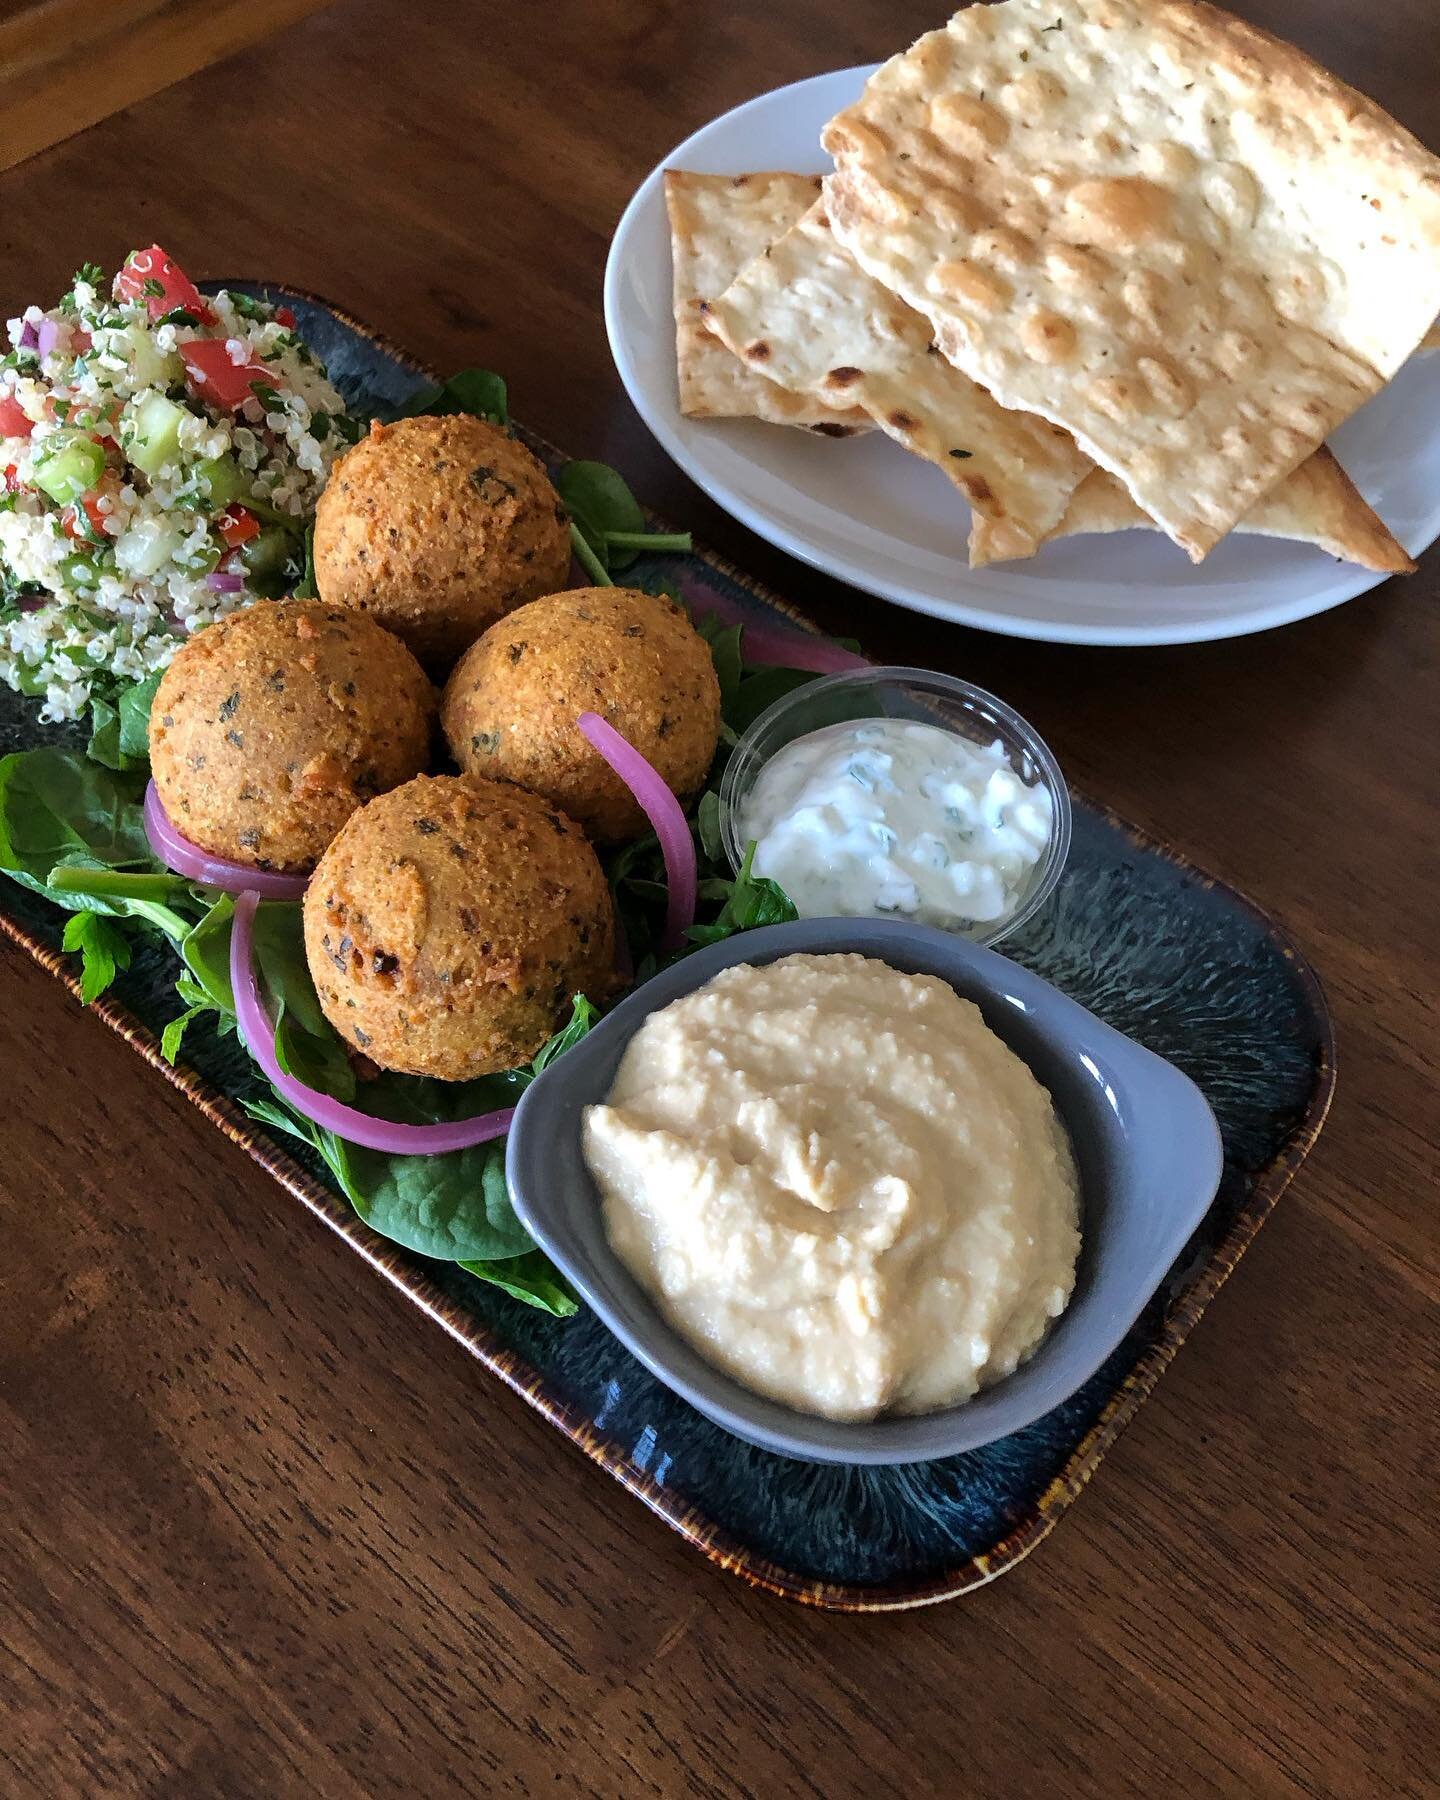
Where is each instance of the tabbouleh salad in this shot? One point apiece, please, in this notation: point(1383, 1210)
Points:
point(161, 454)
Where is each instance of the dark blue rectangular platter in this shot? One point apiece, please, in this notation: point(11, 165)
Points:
point(1150, 943)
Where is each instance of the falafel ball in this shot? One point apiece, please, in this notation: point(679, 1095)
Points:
point(511, 705)
point(273, 724)
point(438, 527)
point(450, 922)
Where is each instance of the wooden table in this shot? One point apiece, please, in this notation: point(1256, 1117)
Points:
point(268, 1532)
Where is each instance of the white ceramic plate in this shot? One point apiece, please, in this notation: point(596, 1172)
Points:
point(865, 511)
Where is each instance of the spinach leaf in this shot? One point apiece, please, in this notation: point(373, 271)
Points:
point(607, 526)
point(707, 825)
point(582, 1017)
point(454, 1207)
point(55, 803)
point(752, 901)
point(305, 1042)
point(134, 710)
point(165, 902)
point(531, 1278)
point(599, 501)
point(72, 830)
point(205, 949)
point(104, 950)
point(104, 745)
point(724, 642)
point(761, 689)
point(478, 391)
point(305, 588)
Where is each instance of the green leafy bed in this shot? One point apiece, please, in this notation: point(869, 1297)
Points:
point(71, 829)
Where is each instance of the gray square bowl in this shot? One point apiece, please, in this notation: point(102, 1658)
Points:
point(1145, 1139)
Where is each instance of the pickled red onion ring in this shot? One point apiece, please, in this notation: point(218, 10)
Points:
point(195, 864)
point(665, 814)
point(786, 649)
point(257, 1033)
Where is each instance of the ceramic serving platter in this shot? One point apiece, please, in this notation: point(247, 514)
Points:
point(865, 511)
point(1134, 932)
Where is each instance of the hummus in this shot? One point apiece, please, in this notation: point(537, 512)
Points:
point(839, 1185)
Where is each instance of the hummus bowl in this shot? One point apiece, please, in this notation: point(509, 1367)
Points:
point(1146, 1144)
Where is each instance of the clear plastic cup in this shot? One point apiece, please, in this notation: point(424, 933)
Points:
point(926, 697)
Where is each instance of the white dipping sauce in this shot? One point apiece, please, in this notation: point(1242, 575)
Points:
point(839, 1184)
point(887, 816)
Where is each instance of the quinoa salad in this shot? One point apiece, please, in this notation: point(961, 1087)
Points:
point(162, 453)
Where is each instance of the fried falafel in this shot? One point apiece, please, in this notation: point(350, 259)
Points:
point(449, 923)
point(437, 527)
point(511, 704)
point(273, 724)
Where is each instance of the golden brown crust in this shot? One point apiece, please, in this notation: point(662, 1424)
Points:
point(717, 224)
point(807, 314)
point(437, 527)
point(1151, 224)
point(449, 923)
point(511, 706)
point(1315, 504)
point(273, 725)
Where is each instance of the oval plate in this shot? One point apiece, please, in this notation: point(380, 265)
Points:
point(868, 513)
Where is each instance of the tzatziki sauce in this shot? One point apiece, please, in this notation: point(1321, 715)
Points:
point(895, 817)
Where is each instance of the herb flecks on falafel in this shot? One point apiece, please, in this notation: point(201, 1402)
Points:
point(272, 725)
point(451, 921)
point(511, 705)
point(437, 527)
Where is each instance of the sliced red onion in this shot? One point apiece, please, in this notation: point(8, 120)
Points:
point(220, 582)
point(665, 814)
point(29, 337)
point(195, 864)
point(257, 1032)
point(797, 649)
point(47, 336)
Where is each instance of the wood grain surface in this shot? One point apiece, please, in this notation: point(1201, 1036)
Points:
point(266, 1532)
point(66, 63)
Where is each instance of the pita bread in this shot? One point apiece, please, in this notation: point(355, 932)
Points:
point(1431, 339)
point(1315, 504)
point(1152, 224)
point(718, 223)
point(810, 317)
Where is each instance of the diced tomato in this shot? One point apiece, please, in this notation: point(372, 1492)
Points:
point(93, 524)
point(284, 316)
point(215, 378)
point(237, 526)
point(80, 340)
point(13, 483)
point(13, 421)
point(151, 276)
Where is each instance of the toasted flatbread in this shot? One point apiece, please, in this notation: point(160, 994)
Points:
point(809, 317)
point(1149, 223)
point(1315, 504)
point(718, 223)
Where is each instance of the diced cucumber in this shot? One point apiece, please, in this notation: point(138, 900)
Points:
point(68, 465)
point(145, 548)
point(152, 367)
point(153, 438)
point(222, 480)
point(202, 561)
point(269, 553)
